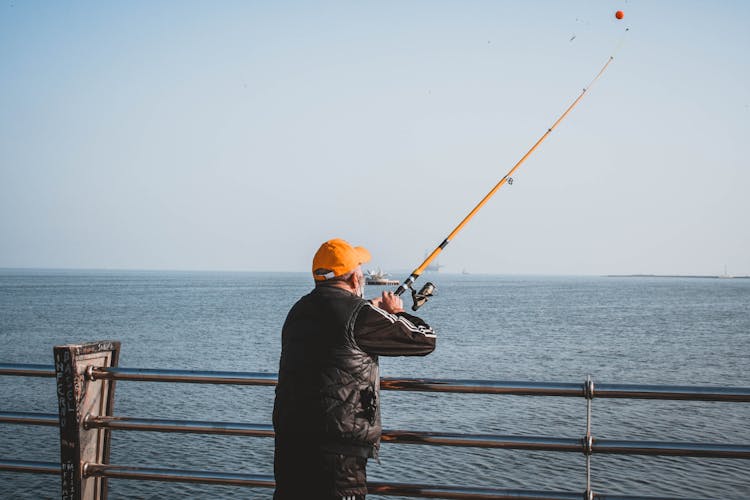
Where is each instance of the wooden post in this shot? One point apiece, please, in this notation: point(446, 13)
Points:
point(78, 396)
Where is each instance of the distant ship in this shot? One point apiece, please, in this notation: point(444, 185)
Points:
point(725, 275)
point(379, 277)
point(433, 266)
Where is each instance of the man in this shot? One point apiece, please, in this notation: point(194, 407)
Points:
point(327, 409)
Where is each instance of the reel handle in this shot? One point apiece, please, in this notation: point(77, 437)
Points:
point(418, 298)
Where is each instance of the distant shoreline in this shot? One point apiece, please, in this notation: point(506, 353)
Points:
point(73, 270)
point(673, 276)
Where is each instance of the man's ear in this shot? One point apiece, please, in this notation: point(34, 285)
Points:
point(353, 281)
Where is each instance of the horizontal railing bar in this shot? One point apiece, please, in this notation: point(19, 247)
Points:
point(633, 391)
point(381, 488)
point(186, 376)
point(630, 497)
point(15, 417)
point(542, 443)
point(741, 394)
point(29, 466)
point(466, 492)
point(537, 443)
point(666, 448)
point(674, 392)
point(630, 391)
point(484, 387)
point(177, 475)
point(183, 426)
point(460, 492)
point(27, 370)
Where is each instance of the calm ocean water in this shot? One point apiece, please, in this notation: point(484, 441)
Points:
point(619, 330)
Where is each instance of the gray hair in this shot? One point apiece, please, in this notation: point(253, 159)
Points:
point(341, 277)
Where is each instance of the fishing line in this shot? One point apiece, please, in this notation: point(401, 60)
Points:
point(422, 295)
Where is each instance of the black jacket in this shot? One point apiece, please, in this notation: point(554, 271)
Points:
point(329, 382)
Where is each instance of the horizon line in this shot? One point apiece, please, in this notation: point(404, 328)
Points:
point(457, 273)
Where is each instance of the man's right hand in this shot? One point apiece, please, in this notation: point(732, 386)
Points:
point(389, 302)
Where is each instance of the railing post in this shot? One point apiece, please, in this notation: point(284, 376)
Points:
point(79, 396)
point(588, 440)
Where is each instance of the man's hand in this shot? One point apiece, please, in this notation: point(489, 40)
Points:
point(389, 302)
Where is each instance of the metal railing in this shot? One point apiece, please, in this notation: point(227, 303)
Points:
point(587, 444)
point(571, 389)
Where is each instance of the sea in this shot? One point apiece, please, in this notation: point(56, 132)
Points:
point(633, 330)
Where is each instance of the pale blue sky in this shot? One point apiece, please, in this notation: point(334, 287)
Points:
point(240, 135)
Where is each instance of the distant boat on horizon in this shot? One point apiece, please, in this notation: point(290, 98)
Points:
point(434, 265)
point(379, 277)
point(725, 275)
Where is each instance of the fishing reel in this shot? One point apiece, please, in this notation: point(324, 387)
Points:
point(422, 295)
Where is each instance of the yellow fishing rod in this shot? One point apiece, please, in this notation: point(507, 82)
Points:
point(422, 295)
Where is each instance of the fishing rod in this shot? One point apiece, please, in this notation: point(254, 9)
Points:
point(421, 296)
